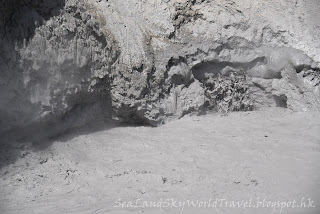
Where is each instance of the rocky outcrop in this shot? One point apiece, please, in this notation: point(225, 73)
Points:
point(70, 62)
point(55, 65)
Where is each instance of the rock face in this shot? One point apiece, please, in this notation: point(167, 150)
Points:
point(73, 61)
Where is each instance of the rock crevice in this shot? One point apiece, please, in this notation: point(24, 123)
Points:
point(72, 62)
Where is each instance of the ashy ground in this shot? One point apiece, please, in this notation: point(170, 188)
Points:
point(257, 161)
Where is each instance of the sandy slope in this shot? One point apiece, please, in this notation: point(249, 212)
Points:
point(273, 155)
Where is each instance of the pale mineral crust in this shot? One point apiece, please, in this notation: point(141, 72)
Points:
point(66, 63)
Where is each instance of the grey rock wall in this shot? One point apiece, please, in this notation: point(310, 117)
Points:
point(66, 63)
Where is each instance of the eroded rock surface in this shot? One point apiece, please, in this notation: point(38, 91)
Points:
point(70, 62)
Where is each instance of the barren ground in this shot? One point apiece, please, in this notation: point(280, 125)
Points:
point(272, 155)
